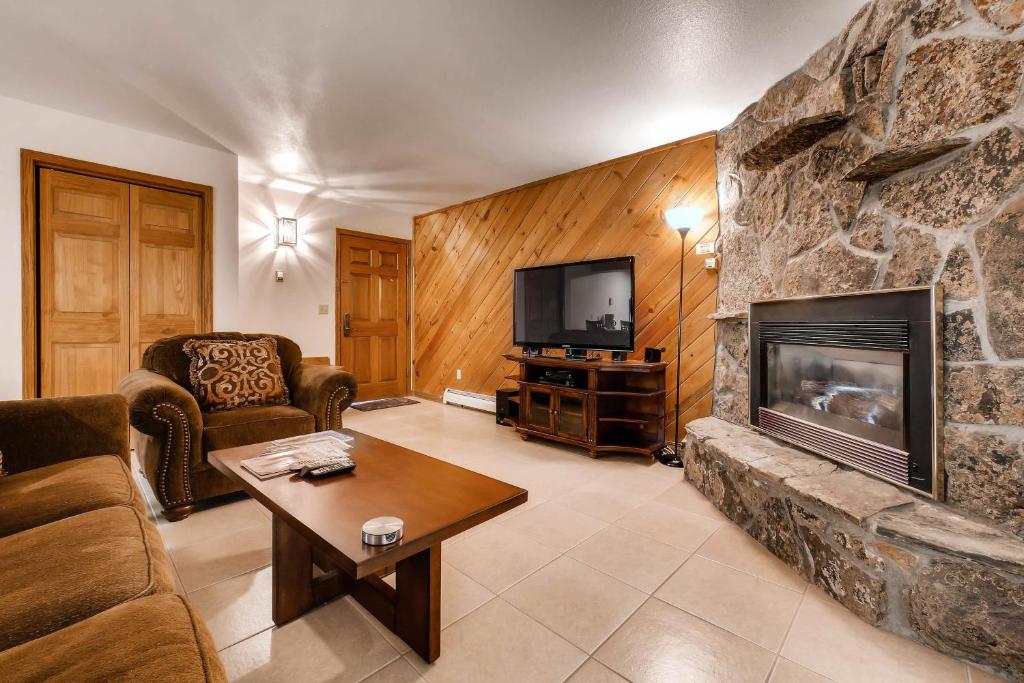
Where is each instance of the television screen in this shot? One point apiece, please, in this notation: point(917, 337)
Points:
point(585, 305)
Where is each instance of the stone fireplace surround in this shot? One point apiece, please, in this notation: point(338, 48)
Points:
point(894, 157)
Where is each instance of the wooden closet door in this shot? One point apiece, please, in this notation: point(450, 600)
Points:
point(83, 284)
point(166, 265)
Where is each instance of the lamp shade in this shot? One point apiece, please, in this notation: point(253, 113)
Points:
point(684, 217)
point(287, 231)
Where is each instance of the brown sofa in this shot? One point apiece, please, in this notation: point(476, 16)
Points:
point(172, 436)
point(87, 587)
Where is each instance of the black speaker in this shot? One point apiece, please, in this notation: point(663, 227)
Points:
point(504, 408)
point(652, 355)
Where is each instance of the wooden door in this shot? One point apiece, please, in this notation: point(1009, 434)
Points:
point(372, 314)
point(83, 284)
point(166, 267)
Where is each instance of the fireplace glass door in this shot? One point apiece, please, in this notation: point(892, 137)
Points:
point(856, 391)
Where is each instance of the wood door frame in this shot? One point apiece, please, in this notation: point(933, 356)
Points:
point(345, 232)
point(31, 163)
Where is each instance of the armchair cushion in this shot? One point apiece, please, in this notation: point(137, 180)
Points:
point(226, 375)
point(47, 494)
point(254, 424)
point(44, 431)
point(60, 573)
point(157, 639)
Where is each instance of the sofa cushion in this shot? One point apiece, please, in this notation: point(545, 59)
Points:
point(156, 638)
point(60, 573)
point(57, 491)
point(168, 358)
point(254, 424)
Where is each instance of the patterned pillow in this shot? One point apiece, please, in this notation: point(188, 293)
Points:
point(229, 374)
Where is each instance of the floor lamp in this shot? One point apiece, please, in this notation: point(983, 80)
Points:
point(682, 219)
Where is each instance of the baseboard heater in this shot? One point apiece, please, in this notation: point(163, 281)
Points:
point(468, 399)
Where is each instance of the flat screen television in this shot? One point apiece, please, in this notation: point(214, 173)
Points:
point(582, 305)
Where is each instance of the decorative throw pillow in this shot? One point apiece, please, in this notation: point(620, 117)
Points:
point(229, 374)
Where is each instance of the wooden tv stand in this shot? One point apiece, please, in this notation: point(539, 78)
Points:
point(610, 407)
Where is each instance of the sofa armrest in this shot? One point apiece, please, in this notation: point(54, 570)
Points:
point(324, 391)
point(44, 431)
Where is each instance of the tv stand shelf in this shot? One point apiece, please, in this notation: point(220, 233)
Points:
point(601, 406)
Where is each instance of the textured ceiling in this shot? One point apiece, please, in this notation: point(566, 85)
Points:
point(410, 104)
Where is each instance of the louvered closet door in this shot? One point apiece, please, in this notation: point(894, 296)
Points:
point(83, 284)
point(166, 266)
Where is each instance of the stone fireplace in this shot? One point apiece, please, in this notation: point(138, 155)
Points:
point(892, 159)
point(853, 377)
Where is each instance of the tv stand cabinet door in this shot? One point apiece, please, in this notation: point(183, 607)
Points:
point(572, 413)
point(538, 409)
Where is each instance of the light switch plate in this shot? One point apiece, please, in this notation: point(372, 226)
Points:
point(706, 248)
point(322, 309)
point(278, 276)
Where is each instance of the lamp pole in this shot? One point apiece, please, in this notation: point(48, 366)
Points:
point(672, 458)
point(682, 219)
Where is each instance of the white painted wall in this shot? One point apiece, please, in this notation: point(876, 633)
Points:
point(25, 125)
point(290, 308)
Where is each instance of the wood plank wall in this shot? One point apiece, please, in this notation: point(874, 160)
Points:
point(464, 256)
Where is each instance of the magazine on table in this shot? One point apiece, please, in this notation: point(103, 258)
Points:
point(283, 456)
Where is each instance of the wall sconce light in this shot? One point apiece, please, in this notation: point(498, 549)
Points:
point(287, 232)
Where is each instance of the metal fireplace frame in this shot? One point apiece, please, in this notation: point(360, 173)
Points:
point(879, 313)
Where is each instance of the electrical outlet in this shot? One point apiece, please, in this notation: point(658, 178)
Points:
point(458, 374)
point(322, 309)
point(711, 263)
point(706, 248)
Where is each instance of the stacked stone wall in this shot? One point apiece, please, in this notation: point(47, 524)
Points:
point(894, 158)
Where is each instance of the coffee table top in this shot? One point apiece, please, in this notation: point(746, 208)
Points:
point(436, 500)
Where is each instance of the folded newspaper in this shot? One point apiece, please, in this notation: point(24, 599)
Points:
point(292, 454)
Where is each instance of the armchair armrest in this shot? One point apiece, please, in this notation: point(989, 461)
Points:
point(44, 431)
point(168, 417)
point(324, 391)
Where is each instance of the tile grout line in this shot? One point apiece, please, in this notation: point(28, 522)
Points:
point(226, 578)
point(383, 666)
point(248, 637)
point(751, 574)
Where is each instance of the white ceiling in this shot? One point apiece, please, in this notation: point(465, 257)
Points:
point(410, 104)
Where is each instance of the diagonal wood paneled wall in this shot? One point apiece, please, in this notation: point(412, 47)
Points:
point(464, 256)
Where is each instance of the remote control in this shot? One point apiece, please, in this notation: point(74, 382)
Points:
point(327, 470)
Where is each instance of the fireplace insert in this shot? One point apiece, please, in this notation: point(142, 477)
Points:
point(855, 378)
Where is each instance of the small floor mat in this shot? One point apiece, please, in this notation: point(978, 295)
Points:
point(379, 403)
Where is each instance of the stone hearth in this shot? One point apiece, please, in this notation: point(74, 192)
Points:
point(896, 560)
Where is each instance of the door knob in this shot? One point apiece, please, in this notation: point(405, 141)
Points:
point(346, 327)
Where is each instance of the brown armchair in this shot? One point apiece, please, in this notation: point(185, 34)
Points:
point(172, 436)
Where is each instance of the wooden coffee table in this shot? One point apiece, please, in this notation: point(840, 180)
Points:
point(319, 522)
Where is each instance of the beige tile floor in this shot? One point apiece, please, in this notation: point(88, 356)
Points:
point(615, 570)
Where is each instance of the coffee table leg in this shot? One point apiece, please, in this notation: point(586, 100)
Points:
point(292, 574)
point(418, 602)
